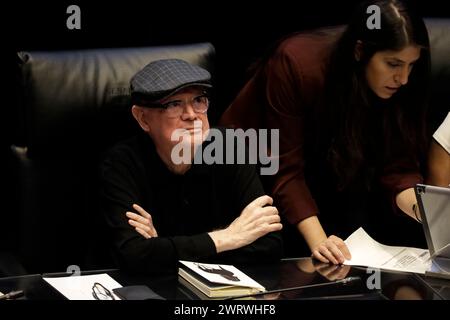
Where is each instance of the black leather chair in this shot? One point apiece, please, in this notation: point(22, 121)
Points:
point(73, 105)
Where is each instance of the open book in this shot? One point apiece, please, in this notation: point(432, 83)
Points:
point(218, 280)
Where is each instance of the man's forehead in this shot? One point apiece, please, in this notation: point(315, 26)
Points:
point(194, 90)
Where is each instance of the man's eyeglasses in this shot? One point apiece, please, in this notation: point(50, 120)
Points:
point(101, 293)
point(175, 108)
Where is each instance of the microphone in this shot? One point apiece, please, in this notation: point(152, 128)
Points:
point(11, 295)
point(347, 280)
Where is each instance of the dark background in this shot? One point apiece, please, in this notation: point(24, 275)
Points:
point(241, 31)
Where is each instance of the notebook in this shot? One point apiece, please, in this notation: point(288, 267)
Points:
point(217, 280)
point(434, 208)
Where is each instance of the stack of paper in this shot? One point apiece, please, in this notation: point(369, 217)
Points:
point(367, 252)
point(80, 287)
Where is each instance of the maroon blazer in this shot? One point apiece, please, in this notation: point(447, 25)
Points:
point(280, 95)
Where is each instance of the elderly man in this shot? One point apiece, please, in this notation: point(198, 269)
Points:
point(159, 210)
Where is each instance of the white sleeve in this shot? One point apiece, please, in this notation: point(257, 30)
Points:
point(442, 134)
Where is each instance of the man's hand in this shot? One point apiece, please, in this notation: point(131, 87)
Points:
point(142, 222)
point(333, 250)
point(257, 219)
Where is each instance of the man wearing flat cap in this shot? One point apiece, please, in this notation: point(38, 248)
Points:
point(159, 210)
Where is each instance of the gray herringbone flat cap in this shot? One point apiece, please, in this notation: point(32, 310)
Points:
point(162, 78)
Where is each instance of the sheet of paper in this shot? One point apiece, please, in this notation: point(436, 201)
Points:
point(240, 278)
point(367, 252)
point(80, 287)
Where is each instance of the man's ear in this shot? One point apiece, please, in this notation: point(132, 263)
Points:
point(139, 115)
point(358, 50)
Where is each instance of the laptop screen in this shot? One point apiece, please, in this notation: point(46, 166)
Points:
point(434, 205)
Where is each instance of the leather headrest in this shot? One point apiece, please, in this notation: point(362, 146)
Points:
point(69, 98)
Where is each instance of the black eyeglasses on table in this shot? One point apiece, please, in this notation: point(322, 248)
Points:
point(99, 292)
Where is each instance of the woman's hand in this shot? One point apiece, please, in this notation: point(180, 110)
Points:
point(333, 250)
point(325, 249)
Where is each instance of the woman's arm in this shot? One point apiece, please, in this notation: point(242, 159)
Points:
point(281, 95)
point(438, 166)
point(289, 96)
point(407, 202)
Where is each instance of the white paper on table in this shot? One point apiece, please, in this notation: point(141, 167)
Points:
point(367, 252)
point(80, 287)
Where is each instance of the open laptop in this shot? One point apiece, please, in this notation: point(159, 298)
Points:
point(434, 207)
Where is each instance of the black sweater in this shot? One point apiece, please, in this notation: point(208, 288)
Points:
point(184, 208)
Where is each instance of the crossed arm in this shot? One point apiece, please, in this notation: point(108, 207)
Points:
point(256, 220)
